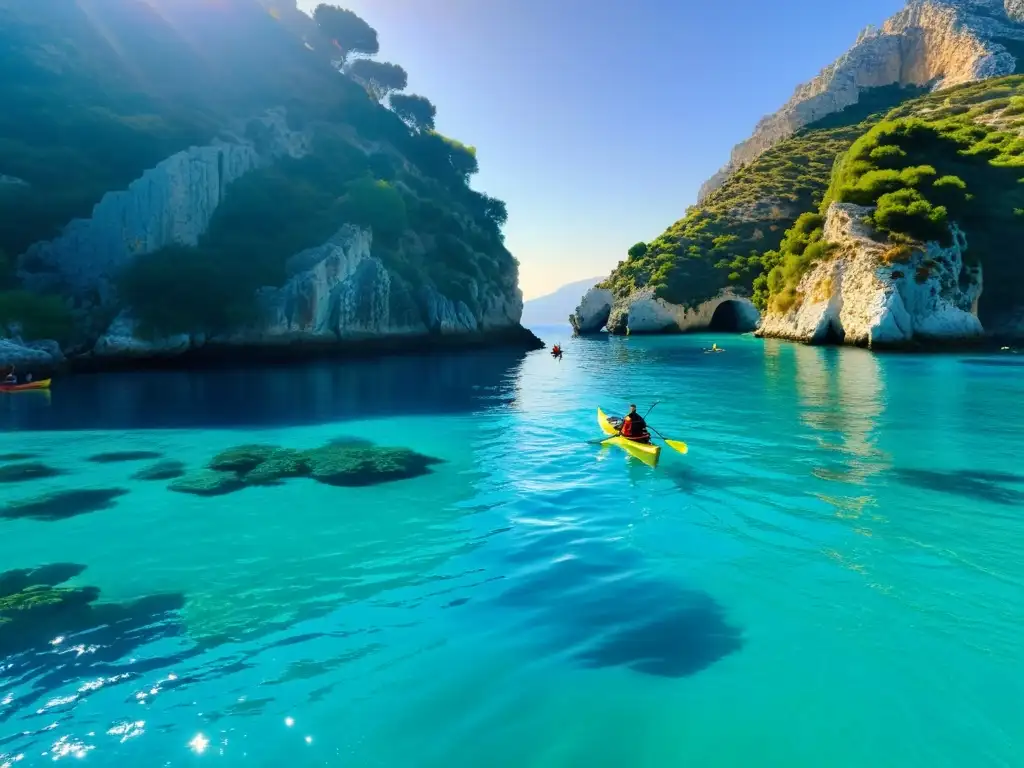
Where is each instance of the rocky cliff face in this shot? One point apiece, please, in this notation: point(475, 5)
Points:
point(171, 203)
point(940, 43)
point(874, 294)
point(337, 292)
point(187, 212)
point(642, 312)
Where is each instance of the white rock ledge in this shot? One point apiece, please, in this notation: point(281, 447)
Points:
point(643, 312)
point(855, 297)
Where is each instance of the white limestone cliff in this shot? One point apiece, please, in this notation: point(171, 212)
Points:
point(171, 203)
point(643, 312)
point(30, 356)
point(592, 313)
point(859, 295)
point(938, 43)
point(123, 340)
point(336, 292)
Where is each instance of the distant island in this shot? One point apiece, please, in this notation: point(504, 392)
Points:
point(881, 206)
point(555, 308)
point(192, 178)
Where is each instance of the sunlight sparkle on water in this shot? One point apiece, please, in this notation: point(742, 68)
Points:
point(128, 730)
point(65, 747)
point(199, 743)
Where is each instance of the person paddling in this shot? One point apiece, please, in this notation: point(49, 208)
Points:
point(10, 378)
point(634, 427)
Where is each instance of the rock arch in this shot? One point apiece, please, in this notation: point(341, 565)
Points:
point(734, 316)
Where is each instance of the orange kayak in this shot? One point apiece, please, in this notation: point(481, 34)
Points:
point(41, 384)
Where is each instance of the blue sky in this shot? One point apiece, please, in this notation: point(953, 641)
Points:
point(597, 121)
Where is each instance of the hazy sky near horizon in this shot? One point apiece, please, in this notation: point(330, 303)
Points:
point(597, 121)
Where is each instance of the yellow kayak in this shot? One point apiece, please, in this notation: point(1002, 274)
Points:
point(646, 452)
point(27, 386)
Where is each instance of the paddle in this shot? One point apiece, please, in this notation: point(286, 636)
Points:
point(676, 445)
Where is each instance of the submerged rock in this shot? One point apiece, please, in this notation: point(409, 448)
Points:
point(874, 294)
point(208, 483)
point(241, 458)
point(60, 505)
point(342, 462)
point(34, 609)
point(281, 464)
point(354, 466)
point(35, 470)
point(40, 597)
point(49, 575)
point(169, 469)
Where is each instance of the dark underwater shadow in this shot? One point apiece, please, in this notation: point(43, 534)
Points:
point(594, 602)
point(977, 484)
point(53, 635)
point(263, 396)
point(61, 505)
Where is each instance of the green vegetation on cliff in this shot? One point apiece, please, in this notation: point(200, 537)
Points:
point(97, 101)
point(922, 162)
point(719, 243)
point(951, 158)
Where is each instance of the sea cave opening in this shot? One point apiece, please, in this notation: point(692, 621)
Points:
point(733, 317)
point(834, 333)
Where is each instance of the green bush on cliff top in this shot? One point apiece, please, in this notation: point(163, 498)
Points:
point(924, 168)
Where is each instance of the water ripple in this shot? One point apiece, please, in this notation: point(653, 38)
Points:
point(841, 541)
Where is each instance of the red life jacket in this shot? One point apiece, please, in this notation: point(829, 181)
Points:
point(634, 427)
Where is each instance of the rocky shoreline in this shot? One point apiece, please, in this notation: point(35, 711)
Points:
point(221, 355)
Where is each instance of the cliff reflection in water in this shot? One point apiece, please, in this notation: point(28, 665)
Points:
point(272, 396)
point(842, 397)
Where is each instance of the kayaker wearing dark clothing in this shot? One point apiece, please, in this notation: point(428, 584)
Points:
point(634, 427)
point(10, 378)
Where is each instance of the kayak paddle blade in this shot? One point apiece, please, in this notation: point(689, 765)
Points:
point(677, 445)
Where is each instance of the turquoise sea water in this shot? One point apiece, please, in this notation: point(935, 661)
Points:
point(832, 576)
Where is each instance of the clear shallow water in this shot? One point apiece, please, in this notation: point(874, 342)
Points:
point(832, 576)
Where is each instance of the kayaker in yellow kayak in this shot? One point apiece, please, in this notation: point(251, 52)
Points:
point(10, 378)
point(634, 427)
